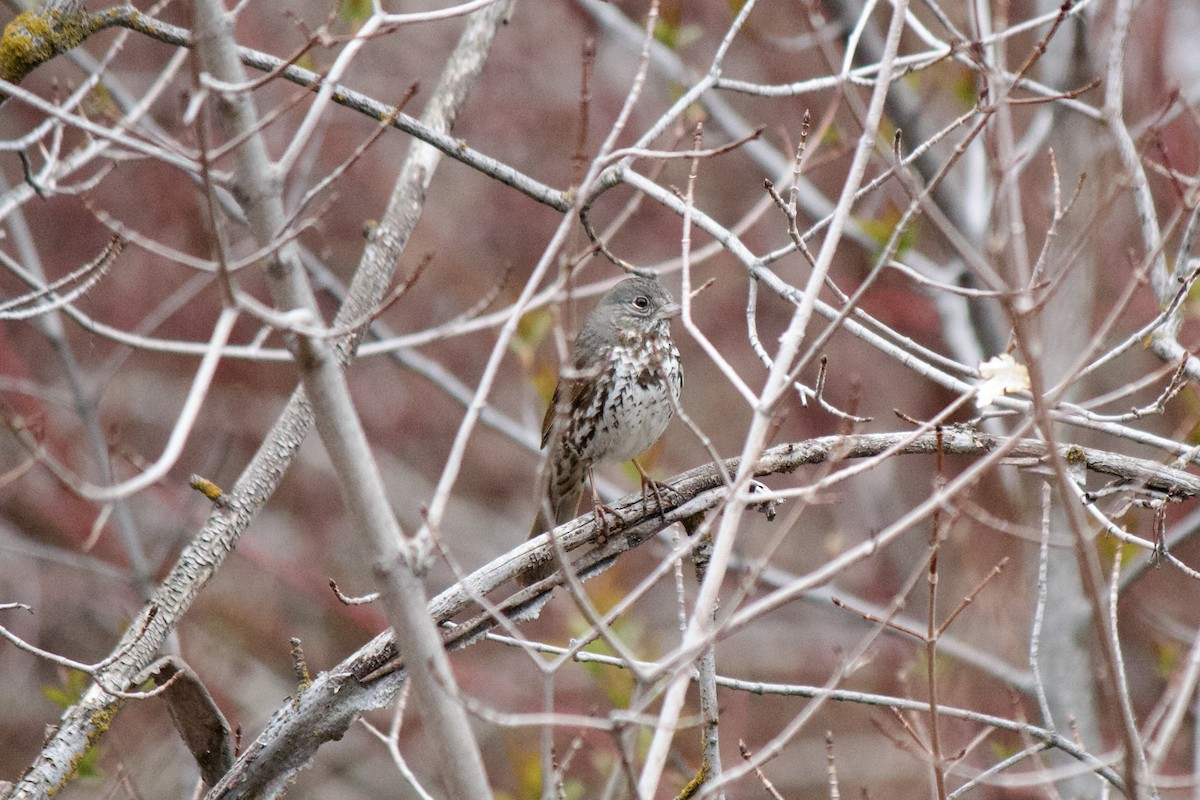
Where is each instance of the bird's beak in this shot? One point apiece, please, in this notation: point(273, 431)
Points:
point(670, 311)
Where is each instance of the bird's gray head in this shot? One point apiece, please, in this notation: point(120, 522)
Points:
point(634, 304)
point(635, 308)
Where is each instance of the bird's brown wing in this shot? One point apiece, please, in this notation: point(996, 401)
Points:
point(548, 420)
point(579, 399)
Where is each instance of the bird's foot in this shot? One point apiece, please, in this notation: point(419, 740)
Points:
point(599, 510)
point(655, 489)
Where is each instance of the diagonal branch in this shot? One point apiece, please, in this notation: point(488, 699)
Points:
point(36, 37)
point(83, 724)
point(369, 679)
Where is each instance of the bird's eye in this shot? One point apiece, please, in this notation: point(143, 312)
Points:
point(641, 302)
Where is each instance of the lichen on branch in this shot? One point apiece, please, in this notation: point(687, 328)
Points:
point(34, 37)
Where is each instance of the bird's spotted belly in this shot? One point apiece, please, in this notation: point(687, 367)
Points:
point(637, 407)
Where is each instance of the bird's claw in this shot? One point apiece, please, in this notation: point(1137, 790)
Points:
point(655, 489)
point(598, 512)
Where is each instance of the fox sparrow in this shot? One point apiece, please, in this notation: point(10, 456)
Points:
point(625, 381)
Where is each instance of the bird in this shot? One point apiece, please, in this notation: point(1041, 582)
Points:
point(613, 404)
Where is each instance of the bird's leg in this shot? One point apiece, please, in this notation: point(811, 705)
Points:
point(599, 509)
point(652, 488)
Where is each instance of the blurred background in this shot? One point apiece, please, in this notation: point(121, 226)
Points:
point(480, 239)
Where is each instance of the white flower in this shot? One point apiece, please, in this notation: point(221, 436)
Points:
point(1001, 375)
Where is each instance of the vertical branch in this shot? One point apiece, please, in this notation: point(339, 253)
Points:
point(931, 631)
point(1091, 582)
point(588, 65)
point(1011, 238)
point(85, 407)
point(707, 665)
point(1114, 106)
point(1185, 691)
point(1039, 609)
point(777, 384)
point(401, 561)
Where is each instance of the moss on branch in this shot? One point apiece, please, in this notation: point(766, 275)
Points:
point(35, 37)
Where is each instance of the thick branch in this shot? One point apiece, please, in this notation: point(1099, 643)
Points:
point(35, 37)
point(338, 697)
point(82, 725)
